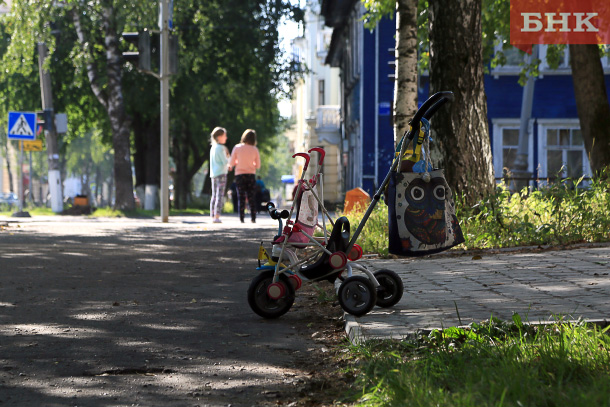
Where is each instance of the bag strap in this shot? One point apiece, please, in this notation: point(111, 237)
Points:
point(401, 149)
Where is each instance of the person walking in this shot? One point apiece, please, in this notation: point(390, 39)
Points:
point(219, 158)
point(245, 159)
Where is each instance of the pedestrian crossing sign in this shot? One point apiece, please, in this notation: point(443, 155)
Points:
point(21, 126)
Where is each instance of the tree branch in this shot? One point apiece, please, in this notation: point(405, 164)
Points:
point(91, 72)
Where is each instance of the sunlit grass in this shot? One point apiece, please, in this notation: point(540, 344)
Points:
point(562, 213)
point(489, 364)
point(7, 210)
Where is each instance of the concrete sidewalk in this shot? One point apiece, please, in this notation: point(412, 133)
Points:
point(452, 290)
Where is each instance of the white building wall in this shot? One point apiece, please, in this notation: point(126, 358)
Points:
point(315, 113)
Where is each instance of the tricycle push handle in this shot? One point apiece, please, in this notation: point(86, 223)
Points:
point(306, 157)
point(321, 152)
point(276, 213)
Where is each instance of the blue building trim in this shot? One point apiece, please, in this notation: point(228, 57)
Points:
point(553, 98)
point(378, 108)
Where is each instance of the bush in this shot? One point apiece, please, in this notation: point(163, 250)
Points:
point(558, 214)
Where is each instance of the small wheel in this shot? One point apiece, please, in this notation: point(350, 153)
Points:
point(337, 260)
point(259, 299)
point(390, 288)
point(355, 253)
point(357, 295)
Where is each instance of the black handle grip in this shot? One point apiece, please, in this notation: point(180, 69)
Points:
point(275, 213)
point(435, 108)
point(431, 105)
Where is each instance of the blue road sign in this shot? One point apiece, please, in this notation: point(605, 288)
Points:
point(21, 125)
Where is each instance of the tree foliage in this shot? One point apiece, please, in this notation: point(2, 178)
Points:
point(231, 74)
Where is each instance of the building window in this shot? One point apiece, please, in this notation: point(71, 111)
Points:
point(510, 145)
point(321, 92)
point(562, 150)
point(323, 41)
point(513, 58)
point(506, 145)
point(565, 153)
point(564, 59)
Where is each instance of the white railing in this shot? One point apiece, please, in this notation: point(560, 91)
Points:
point(328, 117)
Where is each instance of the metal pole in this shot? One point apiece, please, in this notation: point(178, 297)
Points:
point(20, 172)
point(30, 192)
point(55, 185)
point(164, 79)
point(521, 160)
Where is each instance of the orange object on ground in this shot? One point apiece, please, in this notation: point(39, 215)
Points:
point(356, 198)
point(81, 200)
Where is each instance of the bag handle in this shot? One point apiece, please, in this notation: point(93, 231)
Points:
point(426, 111)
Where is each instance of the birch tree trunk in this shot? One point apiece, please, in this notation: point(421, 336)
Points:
point(592, 104)
point(110, 95)
point(460, 129)
point(405, 89)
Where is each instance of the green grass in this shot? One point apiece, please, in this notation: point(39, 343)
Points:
point(374, 236)
point(560, 214)
point(107, 212)
point(489, 364)
point(6, 210)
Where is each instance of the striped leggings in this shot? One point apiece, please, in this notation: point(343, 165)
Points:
point(218, 194)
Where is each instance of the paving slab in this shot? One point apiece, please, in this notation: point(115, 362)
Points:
point(458, 289)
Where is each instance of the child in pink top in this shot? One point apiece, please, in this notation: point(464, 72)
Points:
point(245, 159)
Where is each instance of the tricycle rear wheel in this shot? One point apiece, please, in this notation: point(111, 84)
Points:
point(357, 295)
point(390, 288)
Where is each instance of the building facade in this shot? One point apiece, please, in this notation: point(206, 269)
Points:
point(316, 103)
point(554, 143)
point(363, 58)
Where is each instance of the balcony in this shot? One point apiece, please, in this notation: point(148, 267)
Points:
point(328, 123)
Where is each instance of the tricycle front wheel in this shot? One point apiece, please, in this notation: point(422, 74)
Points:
point(260, 301)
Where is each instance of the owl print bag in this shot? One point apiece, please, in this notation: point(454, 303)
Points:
point(421, 209)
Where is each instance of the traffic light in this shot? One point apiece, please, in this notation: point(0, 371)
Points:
point(173, 54)
point(148, 57)
point(48, 120)
point(40, 123)
point(141, 40)
point(44, 120)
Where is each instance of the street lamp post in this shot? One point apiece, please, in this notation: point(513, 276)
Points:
point(164, 80)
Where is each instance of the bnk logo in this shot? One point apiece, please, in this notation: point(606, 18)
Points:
point(533, 22)
point(559, 22)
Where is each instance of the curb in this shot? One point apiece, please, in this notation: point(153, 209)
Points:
point(353, 329)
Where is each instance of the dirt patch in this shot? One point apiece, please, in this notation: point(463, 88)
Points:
point(326, 384)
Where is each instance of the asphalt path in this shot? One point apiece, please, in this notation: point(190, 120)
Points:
point(136, 312)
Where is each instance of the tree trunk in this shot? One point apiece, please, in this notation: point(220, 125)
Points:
point(181, 181)
point(405, 89)
point(98, 187)
point(460, 129)
point(110, 95)
point(8, 168)
point(147, 157)
point(184, 151)
point(592, 104)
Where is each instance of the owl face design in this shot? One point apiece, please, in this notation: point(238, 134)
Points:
point(424, 215)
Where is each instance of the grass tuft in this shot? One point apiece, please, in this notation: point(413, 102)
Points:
point(489, 364)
